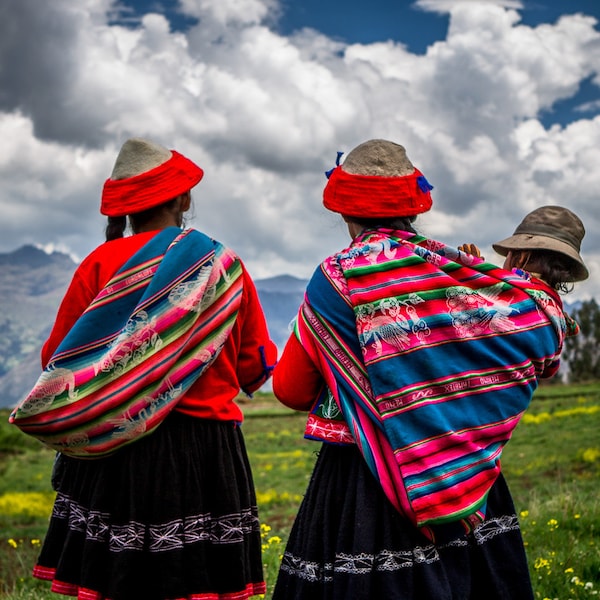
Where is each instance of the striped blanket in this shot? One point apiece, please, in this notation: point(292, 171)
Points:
point(146, 337)
point(432, 356)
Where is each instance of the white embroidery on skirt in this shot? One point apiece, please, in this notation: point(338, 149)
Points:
point(157, 537)
point(390, 560)
point(493, 527)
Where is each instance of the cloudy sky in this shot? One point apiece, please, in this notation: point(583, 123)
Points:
point(497, 102)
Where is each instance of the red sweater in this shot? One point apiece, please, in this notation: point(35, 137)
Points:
point(296, 379)
point(238, 366)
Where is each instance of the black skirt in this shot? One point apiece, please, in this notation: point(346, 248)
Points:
point(171, 516)
point(348, 542)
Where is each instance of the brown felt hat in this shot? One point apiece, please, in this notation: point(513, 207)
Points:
point(549, 228)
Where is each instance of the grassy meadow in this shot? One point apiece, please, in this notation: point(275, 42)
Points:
point(552, 465)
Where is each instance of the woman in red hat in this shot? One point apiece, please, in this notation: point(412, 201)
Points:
point(154, 502)
point(415, 361)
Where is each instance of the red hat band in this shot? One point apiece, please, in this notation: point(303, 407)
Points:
point(121, 197)
point(372, 196)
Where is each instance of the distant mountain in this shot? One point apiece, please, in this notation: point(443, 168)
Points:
point(280, 297)
point(32, 284)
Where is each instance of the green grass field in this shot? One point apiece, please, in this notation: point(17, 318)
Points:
point(552, 465)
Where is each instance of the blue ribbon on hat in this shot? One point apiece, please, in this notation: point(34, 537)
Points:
point(337, 164)
point(423, 184)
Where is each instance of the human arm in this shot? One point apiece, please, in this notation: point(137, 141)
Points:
point(296, 380)
point(258, 353)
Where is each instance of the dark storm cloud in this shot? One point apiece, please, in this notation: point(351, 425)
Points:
point(39, 66)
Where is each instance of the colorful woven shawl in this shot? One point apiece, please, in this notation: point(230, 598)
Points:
point(432, 365)
point(142, 342)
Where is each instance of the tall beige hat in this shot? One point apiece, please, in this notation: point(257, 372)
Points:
point(377, 180)
point(549, 228)
point(138, 156)
point(146, 175)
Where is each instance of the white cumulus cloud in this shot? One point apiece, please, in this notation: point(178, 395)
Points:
point(264, 115)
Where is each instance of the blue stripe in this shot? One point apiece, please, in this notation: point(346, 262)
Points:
point(478, 461)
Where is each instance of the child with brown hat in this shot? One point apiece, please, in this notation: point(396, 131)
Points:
point(547, 244)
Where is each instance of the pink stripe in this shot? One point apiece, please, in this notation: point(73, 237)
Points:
point(138, 276)
point(450, 473)
point(387, 468)
point(437, 451)
point(448, 502)
point(439, 336)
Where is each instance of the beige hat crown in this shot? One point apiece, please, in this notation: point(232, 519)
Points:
point(138, 156)
point(381, 158)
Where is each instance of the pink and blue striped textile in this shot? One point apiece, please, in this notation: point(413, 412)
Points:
point(432, 356)
point(146, 337)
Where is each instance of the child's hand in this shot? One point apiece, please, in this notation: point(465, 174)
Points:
point(471, 249)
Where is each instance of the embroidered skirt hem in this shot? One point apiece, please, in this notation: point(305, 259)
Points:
point(349, 542)
point(172, 516)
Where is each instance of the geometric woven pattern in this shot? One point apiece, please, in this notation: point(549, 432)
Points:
point(390, 560)
point(157, 537)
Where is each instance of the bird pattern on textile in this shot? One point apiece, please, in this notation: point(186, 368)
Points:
point(449, 351)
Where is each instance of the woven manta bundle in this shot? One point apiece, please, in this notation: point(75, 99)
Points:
point(144, 340)
point(448, 355)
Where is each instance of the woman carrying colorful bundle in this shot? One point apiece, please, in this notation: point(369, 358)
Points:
point(169, 320)
point(415, 361)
